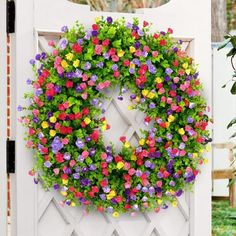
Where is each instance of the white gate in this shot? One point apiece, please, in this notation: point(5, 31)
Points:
point(3, 109)
point(38, 213)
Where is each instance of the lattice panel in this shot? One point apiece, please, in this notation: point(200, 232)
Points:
point(55, 219)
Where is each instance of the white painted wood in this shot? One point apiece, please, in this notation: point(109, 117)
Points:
point(3, 121)
point(224, 110)
point(39, 212)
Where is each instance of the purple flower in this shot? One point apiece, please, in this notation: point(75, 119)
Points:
point(78, 73)
point(179, 192)
point(102, 196)
point(151, 191)
point(178, 98)
point(80, 158)
point(120, 98)
point(152, 105)
point(28, 81)
point(87, 66)
point(109, 20)
point(43, 55)
point(159, 139)
point(135, 27)
point(106, 55)
point(159, 175)
point(136, 62)
point(87, 35)
point(56, 186)
point(19, 108)
point(63, 43)
point(85, 182)
point(169, 71)
point(76, 176)
point(92, 167)
point(169, 136)
point(79, 143)
point(190, 120)
point(80, 41)
point(35, 119)
point(94, 78)
point(152, 69)
point(64, 28)
point(138, 173)
point(131, 70)
point(140, 32)
point(94, 33)
point(67, 156)
point(95, 101)
point(38, 57)
point(175, 49)
point(56, 145)
point(114, 67)
point(147, 164)
point(144, 189)
point(106, 189)
point(132, 96)
point(109, 158)
point(100, 64)
point(172, 183)
point(182, 146)
point(167, 78)
point(173, 87)
point(92, 152)
point(47, 164)
point(32, 61)
point(110, 209)
point(129, 25)
point(137, 44)
point(38, 92)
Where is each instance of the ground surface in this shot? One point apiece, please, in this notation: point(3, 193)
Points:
point(223, 219)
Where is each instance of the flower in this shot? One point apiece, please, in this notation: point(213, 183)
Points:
point(120, 165)
point(44, 124)
point(56, 145)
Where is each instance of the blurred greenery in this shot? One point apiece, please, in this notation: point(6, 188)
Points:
point(223, 219)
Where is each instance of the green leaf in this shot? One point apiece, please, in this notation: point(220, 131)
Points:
point(233, 89)
point(232, 52)
point(233, 135)
point(223, 45)
point(117, 43)
point(223, 86)
point(232, 122)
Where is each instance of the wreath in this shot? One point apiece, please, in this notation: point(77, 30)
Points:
point(66, 121)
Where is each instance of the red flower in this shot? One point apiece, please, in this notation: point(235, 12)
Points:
point(139, 162)
point(44, 150)
point(172, 93)
point(62, 116)
point(69, 84)
point(95, 27)
point(45, 73)
point(95, 189)
point(106, 42)
point(85, 111)
point(72, 189)
point(147, 119)
point(126, 62)
point(127, 177)
point(104, 183)
point(112, 51)
point(118, 158)
point(61, 107)
point(166, 174)
point(59, 157)
point(91, 194)
point(43, 140)
point(162, 42)
point(127, 206)
point(78, 115)
point(95, 41)
point(105, 172)
point(116, 74)
point(64, 176)
point(103, 165)
point(170, 31)
point(71, 116)
point(95, 135)
point(78, 194)
point(145, 23)
point(175, 63)
point(122, 139)
point(63, 130)
point(77, 48)
point(118, 199)
point(156, 36)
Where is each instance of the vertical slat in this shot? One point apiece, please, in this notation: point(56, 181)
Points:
point(25, 47)
point(3, 109)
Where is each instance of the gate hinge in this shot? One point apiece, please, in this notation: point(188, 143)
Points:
point(10, 156)
point(10, 16)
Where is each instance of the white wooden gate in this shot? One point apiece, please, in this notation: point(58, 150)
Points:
point(3, 109)
point(38, 213)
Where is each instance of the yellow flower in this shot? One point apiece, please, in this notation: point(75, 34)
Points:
point(195, 155)
point(133, 158)
point(185, 65)
point(171, 118)
point(111, 194)
point(151, 95)
point(167, 124)
point(120, 53)
point(172, 192)
point(208, 148)
point(181, 131)
point(69, 56)
point(53, 119)
point(63, 193)
point(132, 65)
point(174, 204)
point(130, 107)
point(65, 181)
point(115, 214)
point(87, 120)
point(159, 201)
point(205, 161)
point(64, 64)
point(158, 80)
point(73, 204)
point(97, 19)
point(44, 124)
point(188, 71)
point(127, 144)
point(141, 142)
point(76, 63)
point(137, 99)
point(145, 92)
point(120, 165)
point(201, 150)
point(52, 132)
point(132, 49)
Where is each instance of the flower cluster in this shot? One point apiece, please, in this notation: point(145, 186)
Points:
point(66, 119)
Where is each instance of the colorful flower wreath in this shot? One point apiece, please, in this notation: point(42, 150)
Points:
point(66, 120)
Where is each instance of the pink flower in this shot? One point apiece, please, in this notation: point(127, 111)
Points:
point(163, 99)
point(155, 53)
point(146, 48)
point(182, 153)
point(103, 156)
point(159, 183)
point(60, 70)
point(51, 43)
point(115, 58)
point(98, 49)
point(132, 171)
point(65, 141)
point(176, 80)
point(72, 163)
point(127, 184)
point(35, 112)
point(161, 90)
point(138, 53)
point(31, 131)
point(29, 144)
point(55, 53)
point(85, 153)
point(184, 138)
point(85, 77)
point(107, 83)
point(127, 166)
point(169, 100)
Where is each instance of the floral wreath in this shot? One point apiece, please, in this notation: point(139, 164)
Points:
point(66, 120)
